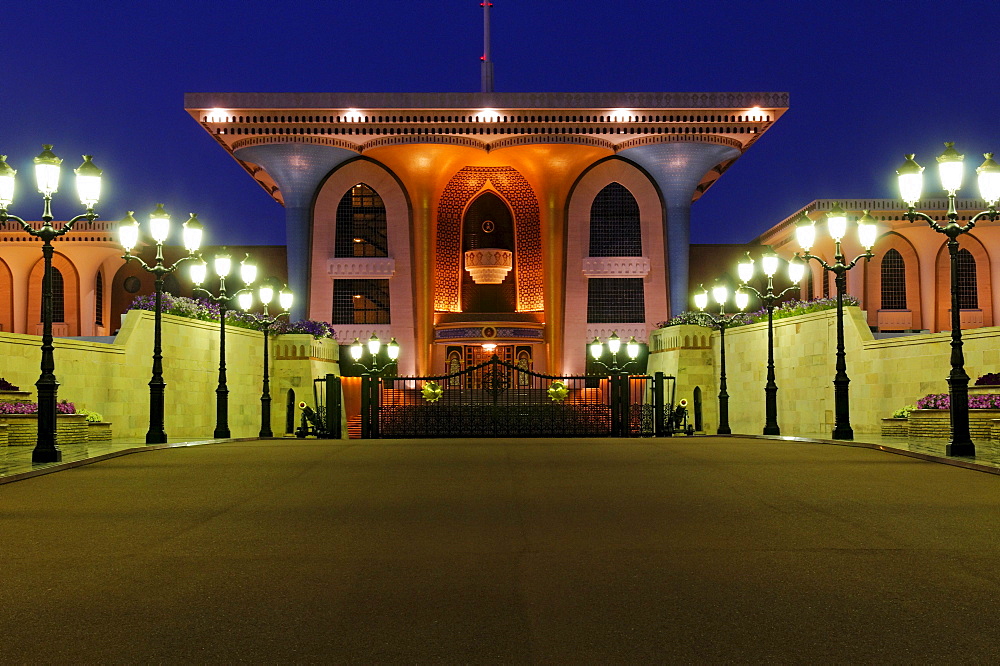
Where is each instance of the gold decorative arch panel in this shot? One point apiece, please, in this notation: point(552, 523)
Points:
point(455, 198)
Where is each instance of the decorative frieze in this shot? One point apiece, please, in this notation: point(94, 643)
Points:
point(368, 268)
point(606, 267)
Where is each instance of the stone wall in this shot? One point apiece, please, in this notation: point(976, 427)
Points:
point(113, 379)
point(885, 374)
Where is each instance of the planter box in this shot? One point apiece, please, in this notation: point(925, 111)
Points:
point(98, 431)
point(22, 429)
point(15, 396)
point(937, 423)
point(983, 390)
point(895, 427)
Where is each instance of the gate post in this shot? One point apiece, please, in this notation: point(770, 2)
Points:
point(366, 410)
point(333, 408)
point(376, 389)
point(616, 405)
point(658, 408)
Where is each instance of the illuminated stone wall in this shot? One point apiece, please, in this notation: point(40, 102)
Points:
point(112, 379)
point(885, 374)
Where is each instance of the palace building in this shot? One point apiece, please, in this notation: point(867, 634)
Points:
point(529, 221)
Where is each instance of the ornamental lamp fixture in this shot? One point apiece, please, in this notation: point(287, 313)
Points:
point(245, 300)
point(989, 179)
point(159, 224)
point(223, 264)
point(701, 299)
point(88, 182)
point(7, 178)
point(805, 232)
point(836, 222)
point(769, 263)
point(392, 349)
point(614, 343)
point(285, 298)
point(47, 168)
point(128, 232)
point(248, 271)
point(950, 168)
point(596, 349)
point(356, 349)
point(199, 270)
point(266, 293)
point(867, 230)
point(742, 299)
point(796, 269)
point(745, 269)
point(910, 177)
point(488, 265)
point(193, 232)
point(720, 293)
point(374, 344)
point(632, 348)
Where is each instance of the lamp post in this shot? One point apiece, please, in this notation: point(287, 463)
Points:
point(910, 186)
point(369, 380)
point(805, 234)
point(266, 294)
point(88, 187)
point(619, 379)
point(222, 265)
point(159, 229)
point(769, 265)
point(721, 321)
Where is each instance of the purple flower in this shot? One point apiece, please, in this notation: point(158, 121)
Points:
point(32, 408)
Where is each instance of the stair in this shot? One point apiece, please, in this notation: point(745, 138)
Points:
point(354, 427)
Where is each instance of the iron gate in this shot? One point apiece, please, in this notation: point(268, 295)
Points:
point(499, 399)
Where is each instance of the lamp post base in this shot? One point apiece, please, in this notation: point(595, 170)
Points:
point(772, 430)
point(964, 449)
point(843, 433)
point(156, 438)
point(44, 456)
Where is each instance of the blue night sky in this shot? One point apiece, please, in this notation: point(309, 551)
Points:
point(868, 82)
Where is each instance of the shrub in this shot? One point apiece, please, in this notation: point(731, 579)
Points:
point(903, 412)
point(782, 310)
point(93, 417)
point(7, 386)
point(989, 379)
point(205, 310)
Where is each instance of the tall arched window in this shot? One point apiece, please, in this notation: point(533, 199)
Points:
point(809, 284)
point(893, 281)
point(968, 293)
point(99, 300)
point(361, 224)
point(58, 296)
point(614, 224)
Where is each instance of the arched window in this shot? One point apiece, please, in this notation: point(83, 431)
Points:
point(614, 224)
point(809, 284)
point(58, 296)
point(893, 281)
point(99, 300)
point(361, 224)
point(968, 294)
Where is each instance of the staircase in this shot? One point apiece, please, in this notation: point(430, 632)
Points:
point(354, 427)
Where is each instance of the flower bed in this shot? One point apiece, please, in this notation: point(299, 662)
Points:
point(782, 310)
point(199, 308)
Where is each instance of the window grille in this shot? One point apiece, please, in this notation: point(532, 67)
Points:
point(968, 294)
point(361, 224)
point(99, 297)
point(360, 302)
point(828, 276)
point(614, 224)
point(615, 301)
point(893, 281)
point(58, 296)
point(809, 284)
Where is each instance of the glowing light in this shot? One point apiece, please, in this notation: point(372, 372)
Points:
point(620, 114)
point(218, 115)
point(488, 347)
point(488, 116)
point(353, 116)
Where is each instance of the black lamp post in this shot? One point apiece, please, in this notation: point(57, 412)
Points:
point(769, 299)
point(805, 233)
point(721, 321)
point(88, 187)
point(222, 265)
point(369, 380)
point(619, 379)
point(910, 186)
point(266, 294)
point(159, 228)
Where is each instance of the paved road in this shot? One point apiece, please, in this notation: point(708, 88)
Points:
point(677, 550)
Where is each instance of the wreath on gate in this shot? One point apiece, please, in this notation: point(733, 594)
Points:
point(432, 391)
point(558, 391)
